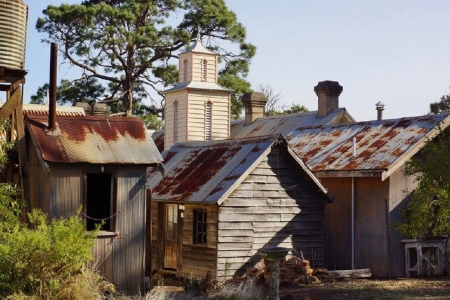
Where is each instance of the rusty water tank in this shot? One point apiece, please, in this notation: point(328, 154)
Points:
point(13, 33)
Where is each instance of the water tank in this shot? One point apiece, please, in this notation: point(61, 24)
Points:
point(13, 33)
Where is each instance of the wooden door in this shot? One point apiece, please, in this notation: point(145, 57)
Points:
point(171, 236)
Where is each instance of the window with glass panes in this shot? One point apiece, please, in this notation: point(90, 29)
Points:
point(199, 226)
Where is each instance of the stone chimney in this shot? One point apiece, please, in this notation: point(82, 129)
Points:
point(254, 104)
point(328, 95)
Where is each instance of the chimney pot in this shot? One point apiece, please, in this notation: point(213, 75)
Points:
point(254, 104)
point(328, 93)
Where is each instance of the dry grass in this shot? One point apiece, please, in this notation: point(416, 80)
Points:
point(414, 289)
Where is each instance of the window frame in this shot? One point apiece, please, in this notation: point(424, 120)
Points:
point(113, 210)
point(200, 227)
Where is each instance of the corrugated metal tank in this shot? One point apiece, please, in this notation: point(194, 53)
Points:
point(13, 33)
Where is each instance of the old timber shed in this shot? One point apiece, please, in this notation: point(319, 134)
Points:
point(98, 163)
point(221, 201)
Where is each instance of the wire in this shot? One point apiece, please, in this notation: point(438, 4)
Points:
point(95, 219)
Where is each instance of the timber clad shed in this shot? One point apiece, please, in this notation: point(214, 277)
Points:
point(221, 201)
point(99, 164)
point(362, 165)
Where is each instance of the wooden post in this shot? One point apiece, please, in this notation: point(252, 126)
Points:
point(148, 233)
point(22, 145)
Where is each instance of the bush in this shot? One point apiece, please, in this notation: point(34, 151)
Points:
point(43, 258)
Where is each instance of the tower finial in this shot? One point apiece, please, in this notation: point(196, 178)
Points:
point(198, 33)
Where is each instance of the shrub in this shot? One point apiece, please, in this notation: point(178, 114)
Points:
point(41, 258)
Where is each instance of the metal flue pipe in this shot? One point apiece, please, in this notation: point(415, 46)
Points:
point(52, 89)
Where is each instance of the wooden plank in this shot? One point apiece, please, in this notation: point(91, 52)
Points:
point(236, 232)
point(235, 239)
point(359, 273)
point(11, 104)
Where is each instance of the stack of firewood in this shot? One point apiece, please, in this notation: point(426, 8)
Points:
point(295, 270)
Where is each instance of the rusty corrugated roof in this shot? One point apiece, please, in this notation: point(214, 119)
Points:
point(158, 138)
point(379, 144)
point(210, 171)
point(205, 171)
point(96, 140)
point(284, 124)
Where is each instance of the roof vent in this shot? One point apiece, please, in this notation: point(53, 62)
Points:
point(380, 108)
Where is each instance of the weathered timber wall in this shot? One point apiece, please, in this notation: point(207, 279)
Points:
point(276, 205)
point(371, 225)
point(338, 224)
point(398, 200)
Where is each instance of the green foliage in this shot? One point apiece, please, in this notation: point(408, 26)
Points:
point(295, 108)
point(41, 258)
point(441, 106)
point(427, 212)
point(129, 45)
point(69, 92)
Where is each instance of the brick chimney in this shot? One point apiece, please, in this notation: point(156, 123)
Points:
point(328, 95)
point(254, 104)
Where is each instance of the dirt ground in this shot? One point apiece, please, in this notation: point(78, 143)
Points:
point(414, 289)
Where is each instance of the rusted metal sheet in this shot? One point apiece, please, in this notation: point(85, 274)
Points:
point(97, 140)
point(379, 144)
point(158, 138)
point(283, 124)
point(206, 171)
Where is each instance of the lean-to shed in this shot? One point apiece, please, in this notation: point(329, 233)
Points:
point(221, 201)
point(99, 164)
point(362, 165)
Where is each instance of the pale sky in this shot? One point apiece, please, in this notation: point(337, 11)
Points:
point(395, 51)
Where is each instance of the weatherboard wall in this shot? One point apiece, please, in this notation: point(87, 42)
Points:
point(220, 115)
point(276, 205)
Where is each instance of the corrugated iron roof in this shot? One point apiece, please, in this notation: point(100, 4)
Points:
point(284, 124)
point(205, 171)
point(379, 144)
point(158, 138)
point(42, 110)
point(209, 171)
point(97, 140)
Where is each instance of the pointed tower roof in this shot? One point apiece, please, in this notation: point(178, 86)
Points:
point(198, 47)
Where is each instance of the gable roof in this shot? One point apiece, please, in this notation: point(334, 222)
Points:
point(96, 140)
point(285, 124)
point(209, 172)
point(381, 146)
point(276, 125)
point(42, 110)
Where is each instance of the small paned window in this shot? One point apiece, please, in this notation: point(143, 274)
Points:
point(185, 70)
point(200, 227)
point(175, 121)
point(208, 121)
point(204, 69)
